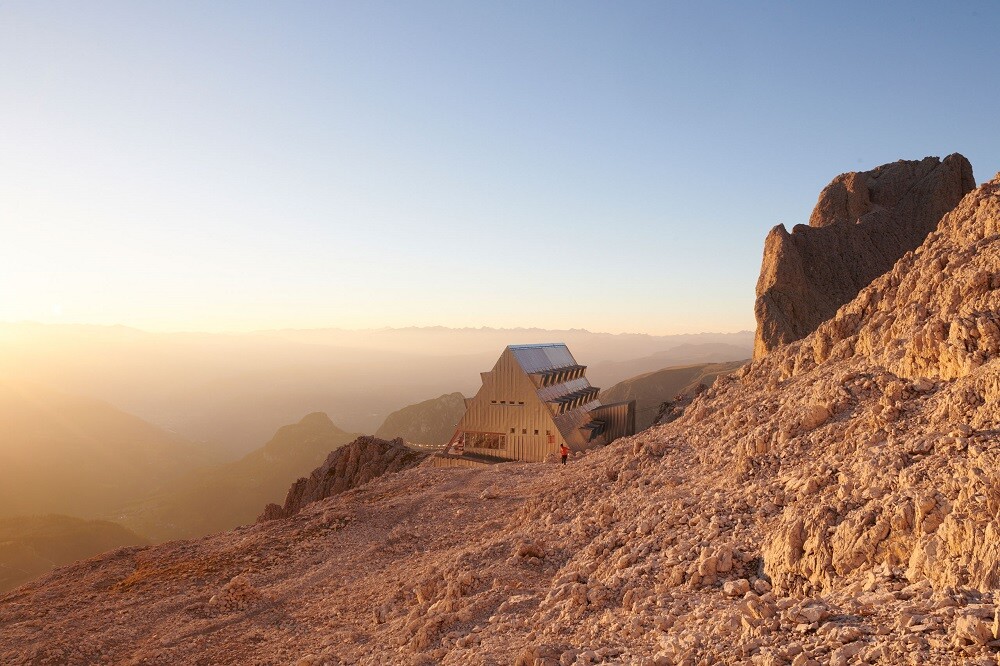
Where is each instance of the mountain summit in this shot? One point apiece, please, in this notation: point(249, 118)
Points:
point(861, 225)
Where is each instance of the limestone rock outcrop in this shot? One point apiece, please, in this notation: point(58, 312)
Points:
point(861, 225)
point(349, 466)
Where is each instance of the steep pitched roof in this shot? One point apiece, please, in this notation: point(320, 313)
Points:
point(541, 358)
point(544, 359)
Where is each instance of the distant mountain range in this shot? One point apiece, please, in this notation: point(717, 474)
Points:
point(222, 497)
point(652, 389)
point(85, 458)
point(75, 456)
point(610, 372)
point(68, 454)
point(232, 391)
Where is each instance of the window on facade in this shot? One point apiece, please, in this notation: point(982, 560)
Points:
point(524, 431)
point(485, 440)
point(512, 431)
point(536, 432)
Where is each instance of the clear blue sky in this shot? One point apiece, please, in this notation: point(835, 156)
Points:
point(602, 165)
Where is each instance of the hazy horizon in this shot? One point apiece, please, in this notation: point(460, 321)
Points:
point(234, 389)
point(278, 328)
point(148, 429)
point(612, 167)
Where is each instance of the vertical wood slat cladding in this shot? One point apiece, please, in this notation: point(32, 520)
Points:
point(454, 461)
point(507, 403)
point(619, 417)
point(538, 398)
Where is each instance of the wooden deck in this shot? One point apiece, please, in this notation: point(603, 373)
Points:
point(465, 460)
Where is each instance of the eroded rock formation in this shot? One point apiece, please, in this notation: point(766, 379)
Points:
point(861, 225)
point(349, 466)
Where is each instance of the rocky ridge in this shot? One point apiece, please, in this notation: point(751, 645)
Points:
point(835, 502)
point(862, 224)
point(359, 462)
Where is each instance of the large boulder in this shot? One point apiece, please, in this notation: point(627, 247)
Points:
point(861, 225)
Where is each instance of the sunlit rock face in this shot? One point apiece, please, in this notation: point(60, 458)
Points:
point(861, 225)
point(352, 465)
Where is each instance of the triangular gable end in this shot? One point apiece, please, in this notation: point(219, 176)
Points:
point(535, 399)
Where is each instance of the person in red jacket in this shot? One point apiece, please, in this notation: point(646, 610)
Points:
point(564, 452)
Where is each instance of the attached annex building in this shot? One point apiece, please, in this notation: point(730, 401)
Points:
point(535, 399)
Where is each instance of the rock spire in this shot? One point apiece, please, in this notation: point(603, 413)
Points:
point(861, 225)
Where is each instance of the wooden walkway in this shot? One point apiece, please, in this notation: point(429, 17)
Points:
point(465, 460)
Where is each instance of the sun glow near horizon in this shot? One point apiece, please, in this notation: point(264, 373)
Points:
point(186, 167)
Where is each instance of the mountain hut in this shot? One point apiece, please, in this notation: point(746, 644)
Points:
point(536, 398)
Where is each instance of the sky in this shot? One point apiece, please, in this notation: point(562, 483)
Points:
point(613, 166)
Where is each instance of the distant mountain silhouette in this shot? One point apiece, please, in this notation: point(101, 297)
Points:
point(222, 497)
point(78, 456)
point(428, 422)
point(611, 372)
point(651, 389)
point(33, 545)
point(232, 391)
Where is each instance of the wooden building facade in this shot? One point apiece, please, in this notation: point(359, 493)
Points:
point(536, 398)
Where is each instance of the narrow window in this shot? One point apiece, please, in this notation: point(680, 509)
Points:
point(524, 431)
point(536, 432)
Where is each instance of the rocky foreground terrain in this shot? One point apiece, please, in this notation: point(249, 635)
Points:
point(835, 502)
